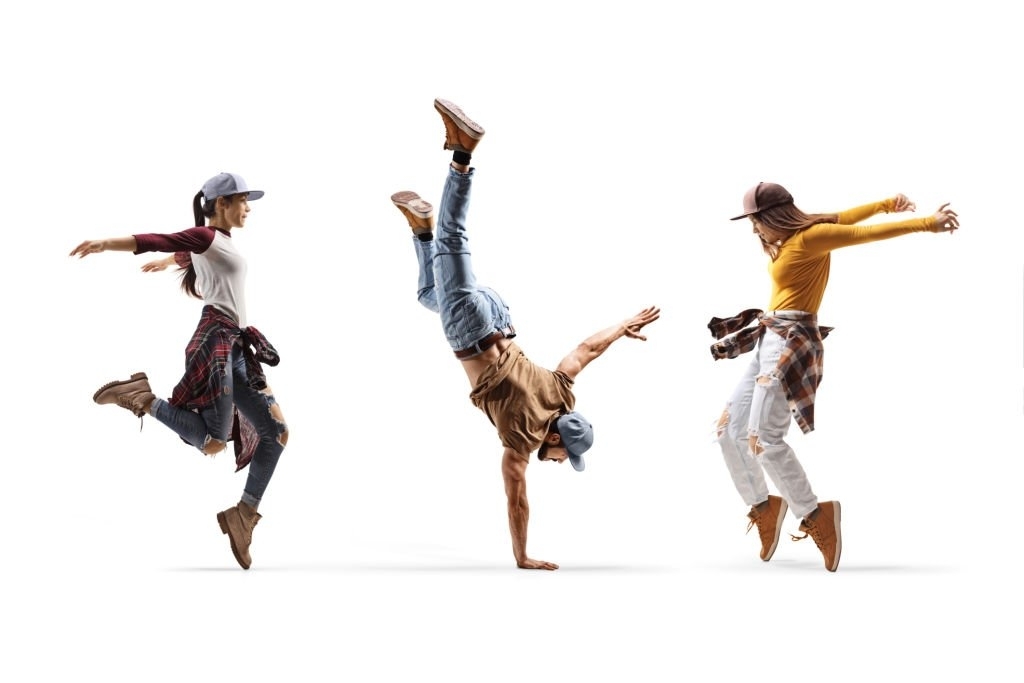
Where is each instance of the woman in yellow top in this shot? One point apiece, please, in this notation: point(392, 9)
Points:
point(780, 382)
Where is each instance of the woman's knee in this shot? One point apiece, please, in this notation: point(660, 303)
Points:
point(730, 425)
point(213, 446)
point(277, 415)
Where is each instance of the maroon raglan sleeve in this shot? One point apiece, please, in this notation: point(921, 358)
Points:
point(194, 241)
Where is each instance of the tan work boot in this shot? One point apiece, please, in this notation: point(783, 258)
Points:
point(131, 394)
point(416, 210)
point(768, 517)
point(823, 526)
point(238, 522)
point(461, 133)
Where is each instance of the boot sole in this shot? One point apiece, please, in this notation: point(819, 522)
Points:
point(463, 122)
point(223, 521)
point(413, 203)
point(135, 378)
point(783, 508)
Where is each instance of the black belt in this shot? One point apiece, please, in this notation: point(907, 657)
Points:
point(486, 343)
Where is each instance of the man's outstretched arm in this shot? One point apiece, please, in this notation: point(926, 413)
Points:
point(596, 344)
point(513, 471)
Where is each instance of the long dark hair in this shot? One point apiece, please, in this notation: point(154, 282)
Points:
point(782, 222)
point(201, 211)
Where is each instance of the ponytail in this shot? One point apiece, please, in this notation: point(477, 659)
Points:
point(197, 209)
point(188, 273)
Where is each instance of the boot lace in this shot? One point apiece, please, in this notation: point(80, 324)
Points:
point(814, 532)
point(765, 530)
point(762, 530)
point(125, 401)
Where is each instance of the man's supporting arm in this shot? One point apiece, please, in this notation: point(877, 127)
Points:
point(513, 471)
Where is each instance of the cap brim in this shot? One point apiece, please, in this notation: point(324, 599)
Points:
point(763, 208)
point(254, 195)
point(577, 462)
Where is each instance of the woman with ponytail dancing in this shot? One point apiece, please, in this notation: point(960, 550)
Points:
point(223, 395)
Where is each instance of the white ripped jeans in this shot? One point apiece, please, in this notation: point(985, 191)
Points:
point(760, 409)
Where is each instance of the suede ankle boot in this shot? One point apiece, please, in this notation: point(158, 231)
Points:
point(238, 522)
point(131, 394)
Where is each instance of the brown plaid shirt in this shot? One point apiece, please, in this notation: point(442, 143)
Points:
point(800, 367)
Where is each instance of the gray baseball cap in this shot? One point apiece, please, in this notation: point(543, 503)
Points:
point(577, 437)
point(226, 184)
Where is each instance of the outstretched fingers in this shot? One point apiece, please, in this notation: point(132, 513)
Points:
point(87, 247)
point(154, 266)
point(640, 320)
point(902, 203)
point(946, 219)
point(529, 563)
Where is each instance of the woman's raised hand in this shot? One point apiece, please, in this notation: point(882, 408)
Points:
point(946, 219)
point(88, 247)
point(158, 265)
point(901, 203)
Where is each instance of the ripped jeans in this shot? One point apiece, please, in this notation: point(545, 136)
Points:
point(759, 418)
point(213, 424)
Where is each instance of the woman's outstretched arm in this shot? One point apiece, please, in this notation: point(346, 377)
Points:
point(96, 246)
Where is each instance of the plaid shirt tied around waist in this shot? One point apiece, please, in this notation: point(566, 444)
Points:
point(801, 364)
point(207, 359)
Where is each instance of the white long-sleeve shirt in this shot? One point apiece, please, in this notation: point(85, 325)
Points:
point(220, 267)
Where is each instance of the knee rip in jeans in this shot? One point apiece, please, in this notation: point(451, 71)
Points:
point(723, 422)
point(771, 379)
point(213, 446)
point(275, 412)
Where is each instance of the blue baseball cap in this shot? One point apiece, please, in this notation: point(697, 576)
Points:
point(577, 436)
point(227, 184)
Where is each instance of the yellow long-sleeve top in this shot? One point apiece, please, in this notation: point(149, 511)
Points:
point(800, 273)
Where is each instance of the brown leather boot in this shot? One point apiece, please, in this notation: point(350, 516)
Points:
point(823, 525)
point(416, 210)
point(461, 133)
point(131, 394)
point(768, 516)
point(238, 522)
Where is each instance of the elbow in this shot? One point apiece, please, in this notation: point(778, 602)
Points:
point(587, 352)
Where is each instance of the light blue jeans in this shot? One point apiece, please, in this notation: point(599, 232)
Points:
point(447, 285)
point(760, 409)
point(214, 422)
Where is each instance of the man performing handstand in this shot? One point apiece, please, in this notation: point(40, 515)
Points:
point(531, 407)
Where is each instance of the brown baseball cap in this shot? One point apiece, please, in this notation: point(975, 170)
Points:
point(763, 196)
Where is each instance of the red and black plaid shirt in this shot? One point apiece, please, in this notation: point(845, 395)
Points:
point(206, 362)
point(801, 364)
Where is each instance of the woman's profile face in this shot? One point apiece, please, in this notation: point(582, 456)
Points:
point(236, 210)
point(759, 229)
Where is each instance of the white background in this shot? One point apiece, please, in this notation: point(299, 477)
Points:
point(619, 141)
